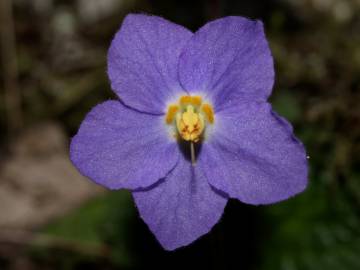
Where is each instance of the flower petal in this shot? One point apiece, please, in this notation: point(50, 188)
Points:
point(228, 60)
point(143, 62)
point(181, 208)
point(120, 148)
point(253, 156)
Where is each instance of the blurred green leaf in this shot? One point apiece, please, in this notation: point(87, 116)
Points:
point(313, 231)
point(103, 221)
point(287, 106)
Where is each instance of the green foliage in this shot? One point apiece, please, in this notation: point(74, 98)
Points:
point(317, 230)
point(287, 106)
point(102, 222)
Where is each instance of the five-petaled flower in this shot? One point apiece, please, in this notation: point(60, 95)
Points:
point(193, 127)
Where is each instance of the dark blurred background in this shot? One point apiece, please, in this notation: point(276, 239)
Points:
point(53, 71)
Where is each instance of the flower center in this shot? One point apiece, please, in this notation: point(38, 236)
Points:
point(190, 117)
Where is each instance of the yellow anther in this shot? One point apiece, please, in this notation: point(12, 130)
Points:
point(208, 111)
point(170, 116)
point(184, 100)
point(190, 124)
point(192, 100)
point(196, 101)
point(190, 116)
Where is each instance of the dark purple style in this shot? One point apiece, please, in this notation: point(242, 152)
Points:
point(250, 153)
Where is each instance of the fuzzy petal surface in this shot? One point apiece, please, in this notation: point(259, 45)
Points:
point(143, 62)
point(228, 60)
point(118, 147)
point(182, 207)
point(253, 156)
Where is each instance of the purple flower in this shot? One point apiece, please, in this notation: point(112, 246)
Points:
point(193, 127)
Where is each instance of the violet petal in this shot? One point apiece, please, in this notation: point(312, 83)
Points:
point(182, 207)
point(253, 156)
point(228, 60)
point(143, 62)
point(120, 148)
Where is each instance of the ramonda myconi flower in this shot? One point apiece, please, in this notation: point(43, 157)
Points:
point(192, 127)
